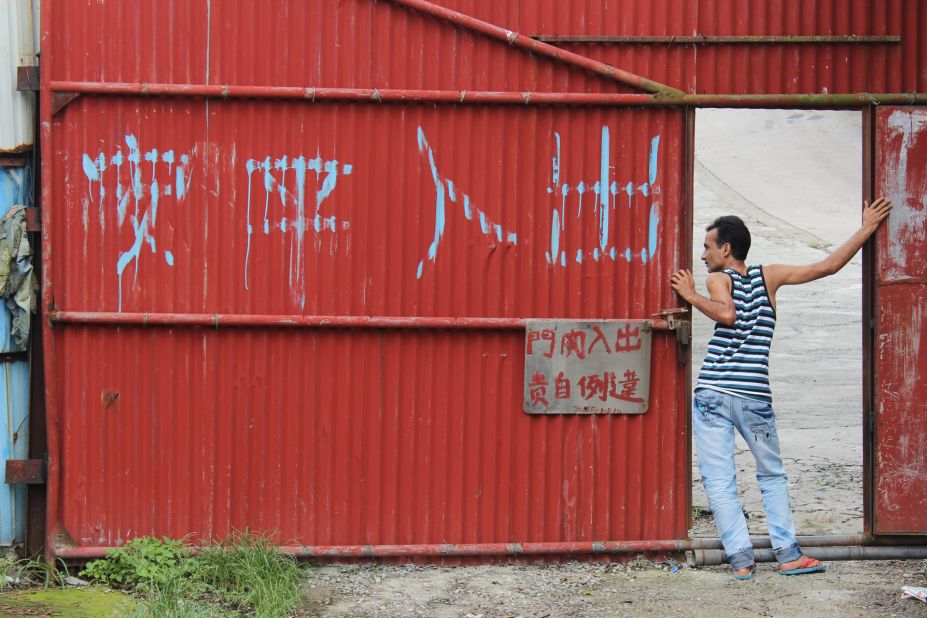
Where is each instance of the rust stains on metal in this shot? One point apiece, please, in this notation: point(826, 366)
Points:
point(14, 159)
point(27, 78)
point(109, 397)
point(33, 219)
point(25, 471)
point(60, 100)
point(900, 450)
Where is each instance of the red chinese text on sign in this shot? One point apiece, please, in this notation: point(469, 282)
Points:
point(590, 367)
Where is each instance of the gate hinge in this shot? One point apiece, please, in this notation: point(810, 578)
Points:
point(33, 219)
point(683, 328)
point(25, 471)
point(27, 78)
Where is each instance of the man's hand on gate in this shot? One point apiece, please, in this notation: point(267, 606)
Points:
point(684, 284)
point(875, 213)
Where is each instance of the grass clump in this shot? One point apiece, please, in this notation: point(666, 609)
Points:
point(18, 573)
point(247, 571)
point(244, 574)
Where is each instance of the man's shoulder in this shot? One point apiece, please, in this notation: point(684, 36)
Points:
point(719, 275)
point(719, 280)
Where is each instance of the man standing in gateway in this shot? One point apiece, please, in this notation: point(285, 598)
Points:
point(733, 391)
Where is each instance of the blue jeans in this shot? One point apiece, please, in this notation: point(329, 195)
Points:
point(715, 415)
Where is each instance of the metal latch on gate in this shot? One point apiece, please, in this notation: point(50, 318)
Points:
point(25, 471)
point(683, 328)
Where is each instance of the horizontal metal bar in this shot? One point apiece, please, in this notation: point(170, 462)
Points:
point(853, 552)
point(215, 320)
point(359, 95)
point(374, 95)
point(707, 550)
point(8, 357)
point(14, 159)
point(824, 101)
point(719, 40)
point(484, 549)
point(823, 540)
point(442, 549)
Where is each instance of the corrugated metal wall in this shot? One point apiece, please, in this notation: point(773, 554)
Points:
point(17, 48)
point(353, 44)
point(790, 68)
point(365, 44)
point(15, 188)
point(264, 209)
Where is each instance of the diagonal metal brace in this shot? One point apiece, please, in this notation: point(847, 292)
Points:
point(538, 47)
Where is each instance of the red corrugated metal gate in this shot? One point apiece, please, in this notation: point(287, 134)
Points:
point(328, 430)
point(900, 457)
point(279, 301)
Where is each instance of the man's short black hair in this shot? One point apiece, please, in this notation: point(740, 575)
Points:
point(732, 230)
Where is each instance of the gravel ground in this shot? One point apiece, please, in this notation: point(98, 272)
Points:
point(802, 201)
point(638, 588)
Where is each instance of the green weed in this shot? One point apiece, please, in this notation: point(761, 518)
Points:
point(141, 563)
point(243, 574)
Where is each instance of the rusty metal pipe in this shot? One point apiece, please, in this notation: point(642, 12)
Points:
point(542, 49)
point(442, 549)
point(215, 320)
point(755, 39)
point(360, 95)
point(705, 557)
point(853, 100)
point(375, 95)
point(706, 551)
point(827, 540)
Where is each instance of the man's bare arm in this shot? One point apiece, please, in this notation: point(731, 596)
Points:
point(777, 275)
point(719, 307)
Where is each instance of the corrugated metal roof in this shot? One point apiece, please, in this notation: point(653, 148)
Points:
point(16, 49)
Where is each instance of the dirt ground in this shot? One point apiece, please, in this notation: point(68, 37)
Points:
point(638, 588)
point(798, 203)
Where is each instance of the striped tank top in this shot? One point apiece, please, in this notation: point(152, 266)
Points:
point(737, 361)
